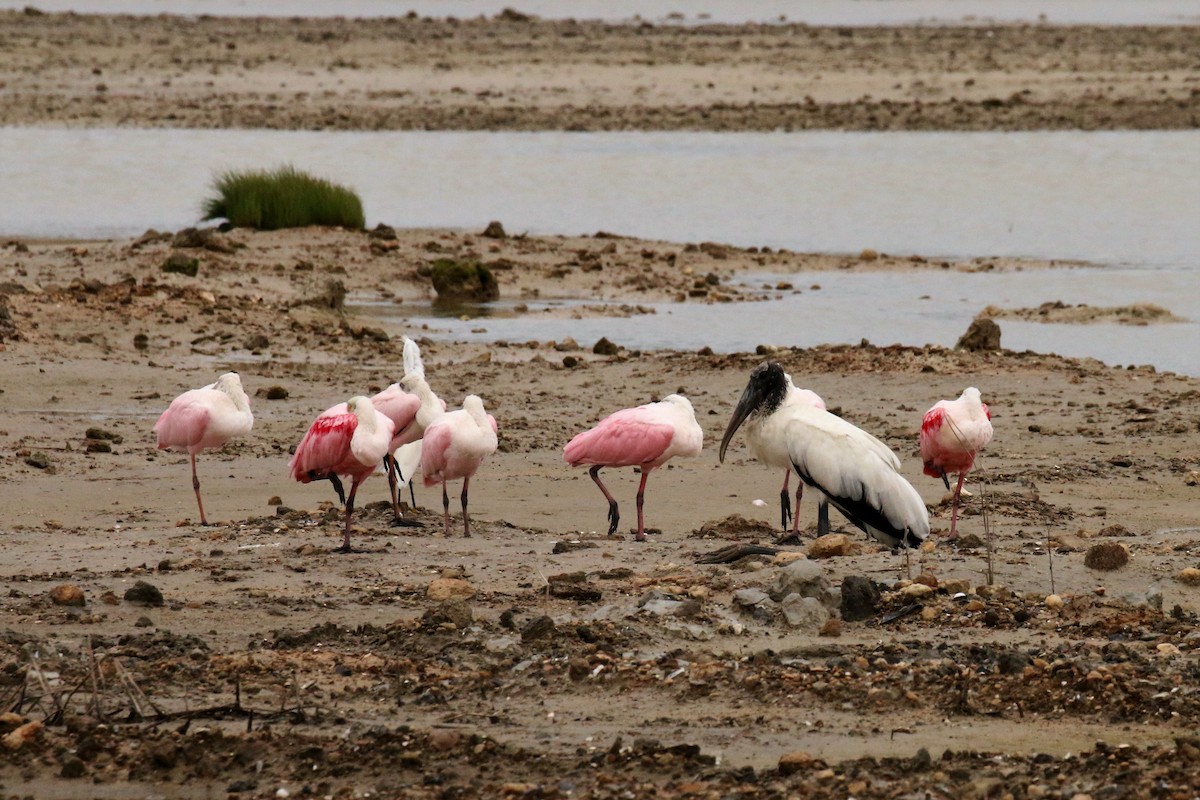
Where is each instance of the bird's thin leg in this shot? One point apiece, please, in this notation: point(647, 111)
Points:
point(614, 515)
point(796, 510)
point(785, 500)
point(337, 486)
point(345, 548)
point(641, 495)
point(391, 468)
point(954, 506)
point(463, 498)
point(394, 477)
point(445, 511)
point(945, 480)
point(412, 492)
point(822, 517)
point(196, 486)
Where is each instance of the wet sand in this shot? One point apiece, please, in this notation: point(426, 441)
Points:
point(542, 658)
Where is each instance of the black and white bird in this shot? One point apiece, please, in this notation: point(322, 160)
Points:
point(854, 470)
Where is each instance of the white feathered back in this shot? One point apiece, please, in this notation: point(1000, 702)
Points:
point(412, 358)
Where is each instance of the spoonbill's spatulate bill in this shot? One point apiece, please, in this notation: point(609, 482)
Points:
point(205, 418)
point(952, 434)
point(856, 471)
point(645, 437)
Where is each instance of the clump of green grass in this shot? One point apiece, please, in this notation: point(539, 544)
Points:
point(283, 197)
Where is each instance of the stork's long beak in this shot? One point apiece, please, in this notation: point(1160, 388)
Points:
point(751, 399)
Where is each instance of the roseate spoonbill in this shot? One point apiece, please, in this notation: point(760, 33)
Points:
point(205, 418)
point(405, 459)
point(401, 408)
point(952, 434)
point(454, 445)
point(349, 439)
point(645, 437)
point(856, 471)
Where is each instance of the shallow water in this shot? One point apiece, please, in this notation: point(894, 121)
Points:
point(812, 12)
point(1122, 198)
point(932, 307)
point(1126, 200)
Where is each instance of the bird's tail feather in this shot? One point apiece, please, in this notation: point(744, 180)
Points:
point(412, 358)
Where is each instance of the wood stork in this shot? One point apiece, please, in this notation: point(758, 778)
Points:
point(854, 470)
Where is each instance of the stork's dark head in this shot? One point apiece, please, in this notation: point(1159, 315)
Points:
point(763, 394)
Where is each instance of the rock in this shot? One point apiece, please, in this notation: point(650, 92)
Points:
point(1193, 478)
point(1152, 598)
point(454, 612)
point(38, 460)
point(868, 254)
point(442, 589)
point(604, 347)
point(832, 627)
point(566, 345)
point(926, 578)
point(256, 341)
point(915, 591)
point(72, 768)
point(331, 296)
point(805, 578)
point(994, 591)
point(750, 597)
point(1054, 602)
point(790, 763)
point(101, 435)
point(1106, 556)
point(144, 593)
point(1012, 662)
point(141, 341)
point(541, 628)
point(67, 594)
point(570, 362)
point(463, 280)
point(953, 586)
point(983, 334)
point(969, 541)
point(494, 230)
point(182, 264)
point(17, 738)
point(276, 393)
point(444, 739)
point(830, 545)
point(805, 613)
point(1189, 576)
point(383, 232)
point(860, 598)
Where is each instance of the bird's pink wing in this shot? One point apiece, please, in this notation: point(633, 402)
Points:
point(182, 424)
point(931, 423)
point(324, 446)
point(397, 405)
point(434, 447)
point(623, 439)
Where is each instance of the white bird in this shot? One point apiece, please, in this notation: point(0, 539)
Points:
point(645, 437)
point(854, 470)
point(769, 451)
point(456, 443)
point(205, 418)
point(404, 459)
point(952, 434)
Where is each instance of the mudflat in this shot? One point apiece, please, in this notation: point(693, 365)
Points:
point(1050, 654)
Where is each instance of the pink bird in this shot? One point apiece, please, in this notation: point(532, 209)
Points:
point(952, 434)
point(401, 408)
point(454, 446)
point(349, 439)
point(645, 437)
point(205, 418)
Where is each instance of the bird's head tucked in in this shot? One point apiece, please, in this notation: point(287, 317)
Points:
point(763, 394)
point(231, 384)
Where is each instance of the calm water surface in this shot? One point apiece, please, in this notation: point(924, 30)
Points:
point(1124, 200)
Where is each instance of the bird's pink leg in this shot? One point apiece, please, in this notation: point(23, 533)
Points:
point(196, 486)
point(463, 498)
point(641, 531)
point(345, 548)
point(954, 507)
point(445, 511)
point(613, 514)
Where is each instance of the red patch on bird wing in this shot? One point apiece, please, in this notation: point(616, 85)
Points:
point(987, 411)
point(323, 447)
point(931, 423)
